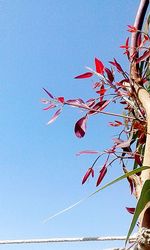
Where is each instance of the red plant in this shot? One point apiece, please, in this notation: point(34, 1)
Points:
point(115, 85)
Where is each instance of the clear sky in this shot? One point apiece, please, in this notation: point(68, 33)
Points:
point(46, 43)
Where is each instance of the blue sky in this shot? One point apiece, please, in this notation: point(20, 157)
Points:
point(46, 43)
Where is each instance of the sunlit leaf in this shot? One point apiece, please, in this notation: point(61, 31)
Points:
point(55, 116)
point(85, 75)
point(52, 105)
point(87, 152)
point(132, 28)
point(99, 66)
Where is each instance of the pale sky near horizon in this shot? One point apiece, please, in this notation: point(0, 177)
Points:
point(46, 43)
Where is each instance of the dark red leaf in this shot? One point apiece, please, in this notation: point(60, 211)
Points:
point(139, 40)
point(90, 102)
point(105, 104)
point(88, 173)
point(96, 107)
point(85, 75)
point(117, 65)
point(109, 74)
point(101, 175)
point(123, 102)
point(76, 103)
point(50, 95)
point(99, 66)
point(131, 210)
point(55, 116)
point(80, 127)
point(145, 55)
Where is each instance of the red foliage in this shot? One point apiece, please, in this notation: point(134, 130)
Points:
point(99, 66)
point(88, 173)
point(131, 210)
point(102, 174)
point(85, 75)
point(132, 28)
point(80, 127)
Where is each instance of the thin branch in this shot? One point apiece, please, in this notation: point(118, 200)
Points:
point(101, 112)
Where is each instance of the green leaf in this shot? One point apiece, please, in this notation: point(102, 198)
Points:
point(135, 171)
point(143, 200)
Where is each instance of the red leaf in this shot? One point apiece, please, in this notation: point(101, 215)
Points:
point(80, 127)
point(139, 40)
point(105, 104)
point(117, 65)
point(101, 92)
point(87, 152)
point(145, 55)
point(96, 107)
point(88, 173)
point(115, 124)
point(132, 28)
point(54, 117)
point(99, 66)
point(85, 75)
point(76, 103)
point(90, 102)
point(61, 99)
point(131, 210)
point(101, 175)
point(96, 85)
point(50, 95)
point(109, 74)
point(52, 105)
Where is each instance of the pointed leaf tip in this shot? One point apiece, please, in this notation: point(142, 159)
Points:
point(55, 116)
point(50, 95)
point(80, 127)
point(101, 175)
point(85, 75)
point(131, 210)
point(99, 66)
point(89, 172)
